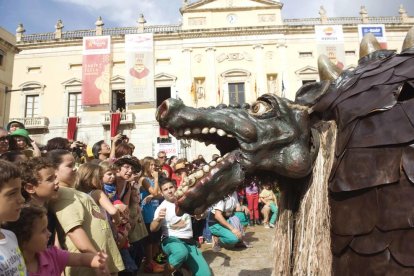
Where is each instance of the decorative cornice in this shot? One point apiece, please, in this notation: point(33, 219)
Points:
point(9, 46)
point(174, 32)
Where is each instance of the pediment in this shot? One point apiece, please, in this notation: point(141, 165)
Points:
point(164, 77)
point(117, 79)
point(72, 82)
point(307, 70)
point(230, 5)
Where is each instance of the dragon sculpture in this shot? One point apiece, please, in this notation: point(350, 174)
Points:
point(366, 116)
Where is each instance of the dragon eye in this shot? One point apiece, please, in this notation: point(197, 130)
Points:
point(259, 108)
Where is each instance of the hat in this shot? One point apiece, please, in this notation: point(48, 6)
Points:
point(22, 132)
point(180, 165)
point(21, 125)
point(130, 160)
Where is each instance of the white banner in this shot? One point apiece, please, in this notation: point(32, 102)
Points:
point(330, 42)
point(378, 30)
point(139, 63)
point(329, 34)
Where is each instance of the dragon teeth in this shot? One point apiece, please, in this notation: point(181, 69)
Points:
point(185, 189)
point(221, 132)
point(212, 130)
point(212, 163)
point(205, 130)
point(187, 132)
point(180, 132)
point(199, 174)
point(230, 136)
point(219, 159)
point(206, 168)
point(196, 131)
point(179, 193)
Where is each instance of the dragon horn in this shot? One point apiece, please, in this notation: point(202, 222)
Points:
point(369, 44)
point(409, 40)
point(327, 70)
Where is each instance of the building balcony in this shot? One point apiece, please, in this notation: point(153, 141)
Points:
point(127, 118)
point(33, 122)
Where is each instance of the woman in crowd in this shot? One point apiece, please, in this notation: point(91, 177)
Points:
point(150, 200)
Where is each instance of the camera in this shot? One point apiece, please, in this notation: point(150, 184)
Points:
point(79, 148)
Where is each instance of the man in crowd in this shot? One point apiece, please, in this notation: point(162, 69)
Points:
point(177, 234)
point(4, 141)
point(165, 168)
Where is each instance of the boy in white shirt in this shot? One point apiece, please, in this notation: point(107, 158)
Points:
point(177, 234)
point(11, 203)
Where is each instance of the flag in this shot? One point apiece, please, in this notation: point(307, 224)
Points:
point(193, 92)
point(71, 132)
point(115, 121)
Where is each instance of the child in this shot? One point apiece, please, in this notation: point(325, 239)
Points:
point(32, 235)
point(11, 203)
point(108, 180)
point(39, 182)
point(89, 181)
point(39, 185)
point(268, 198)
point(83, 226)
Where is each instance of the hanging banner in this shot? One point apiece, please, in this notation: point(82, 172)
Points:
point(139, 63)
point(330, 42)
point(378, 30)
point(96, 70)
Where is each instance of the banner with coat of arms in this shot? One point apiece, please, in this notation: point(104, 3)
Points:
point(96, 70)
point(139, 63)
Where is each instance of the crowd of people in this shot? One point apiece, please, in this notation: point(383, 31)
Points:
point(105, 212)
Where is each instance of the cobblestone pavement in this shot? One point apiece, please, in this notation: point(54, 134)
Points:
point(255, 261)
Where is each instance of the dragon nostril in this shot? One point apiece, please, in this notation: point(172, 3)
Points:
point(162, 110)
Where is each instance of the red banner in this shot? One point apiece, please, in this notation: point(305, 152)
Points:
point(115, 121)
point(163, 133)
point(96, 70)
point(72, 122)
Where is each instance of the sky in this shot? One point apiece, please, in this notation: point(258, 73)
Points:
point(40, 16)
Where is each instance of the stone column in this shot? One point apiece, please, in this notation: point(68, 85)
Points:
point(283, 68)
point(211, 78)
point(261, 82)
point(185, 92)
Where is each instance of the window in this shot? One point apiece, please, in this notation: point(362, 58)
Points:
point(305, 54)
point(32, 106)
point(74, 104)
point(236, 93)
point(2, 54)
point(118, 100)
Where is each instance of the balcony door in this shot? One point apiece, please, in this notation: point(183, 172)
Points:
point(118, 100)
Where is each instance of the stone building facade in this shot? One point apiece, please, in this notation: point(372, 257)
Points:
point(231, 51)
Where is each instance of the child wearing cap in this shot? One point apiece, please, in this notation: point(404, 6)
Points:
point(20, 142)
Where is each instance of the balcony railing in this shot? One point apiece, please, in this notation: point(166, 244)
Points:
point(33, 122)
point(126, 118)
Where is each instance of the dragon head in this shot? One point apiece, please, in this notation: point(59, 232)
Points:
point(272, 136)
